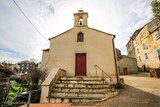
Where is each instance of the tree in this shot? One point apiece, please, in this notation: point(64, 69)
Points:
point(156, 8)
point(34, 77)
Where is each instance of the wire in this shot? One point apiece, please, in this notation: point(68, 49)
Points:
point(30, 21)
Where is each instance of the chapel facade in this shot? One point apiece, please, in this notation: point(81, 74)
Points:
point(81, 65)
point(80, 48)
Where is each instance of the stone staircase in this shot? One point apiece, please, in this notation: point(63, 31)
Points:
point(79, 90)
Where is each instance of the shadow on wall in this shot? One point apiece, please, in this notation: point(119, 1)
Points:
point(133, 97)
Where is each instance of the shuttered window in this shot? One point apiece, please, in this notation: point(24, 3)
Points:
point(146, 55)
point(158, 52)
point(144, 46)
point(157, 36)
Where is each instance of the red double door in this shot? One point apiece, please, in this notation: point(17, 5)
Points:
point(80, 64)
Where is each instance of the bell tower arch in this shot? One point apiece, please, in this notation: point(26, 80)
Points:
point(81, 19)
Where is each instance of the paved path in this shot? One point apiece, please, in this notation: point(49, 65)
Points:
point(141, 91)
point(54, 105)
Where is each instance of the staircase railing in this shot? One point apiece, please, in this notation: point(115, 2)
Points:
point(103, 73)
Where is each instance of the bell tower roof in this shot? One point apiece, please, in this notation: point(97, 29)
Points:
point(80, 10)
point(81, 19)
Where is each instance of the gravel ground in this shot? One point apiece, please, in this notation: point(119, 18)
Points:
point(141, 91)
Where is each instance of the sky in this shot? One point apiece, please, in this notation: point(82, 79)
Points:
point(20, 41)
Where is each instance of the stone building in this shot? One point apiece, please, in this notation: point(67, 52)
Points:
point(126, 64)
point(130, 44)
point(146, 45)
point(118, 52)
point(83, 53)
point(26, 66)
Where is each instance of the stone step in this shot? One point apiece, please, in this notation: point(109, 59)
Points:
point(70, 78)
point(56, 99)
point(81, 90)
point(59, 100)
point(80, 99)
point(62, 85)
point(85, 100)
point(73, 100)
point(104, 92)
point(81, 82)
point(80, 95)
point(75, 96)
point(81, 86)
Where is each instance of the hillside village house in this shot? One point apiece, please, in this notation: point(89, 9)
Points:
point(144, 45)
point(81, 52)
point(26, 66)
point(126, 64)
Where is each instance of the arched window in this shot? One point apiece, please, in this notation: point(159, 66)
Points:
point(80, 21)
point(80, 37)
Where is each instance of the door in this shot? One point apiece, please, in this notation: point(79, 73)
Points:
point(125, 71)
point(80, 65)
point(144, 68)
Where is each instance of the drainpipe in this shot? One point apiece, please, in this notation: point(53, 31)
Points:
point(115, 60)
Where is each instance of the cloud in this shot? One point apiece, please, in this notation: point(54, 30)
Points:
point(12, 53)
point(17, 35)
point(10, 56)
point(51, 9)
point(51, 17)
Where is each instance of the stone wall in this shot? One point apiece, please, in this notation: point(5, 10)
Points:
point(127, 63)
point(49, 82)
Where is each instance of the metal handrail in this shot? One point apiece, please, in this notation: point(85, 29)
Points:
point(96, 66)
point(29, 96)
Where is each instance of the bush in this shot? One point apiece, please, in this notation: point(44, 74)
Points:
point(118, 86)
point(155, 72)
point(12, 96)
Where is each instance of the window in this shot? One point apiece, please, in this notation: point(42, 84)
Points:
point(80, 37)
point(135, 42)
point(137, 50)
point(22, 68)
point(139, 58)
point(146, 55)
point(144, 46)
point(26, 67)
point(132, 45)
point(158, 52)
point(141, 35)
point(157, 36)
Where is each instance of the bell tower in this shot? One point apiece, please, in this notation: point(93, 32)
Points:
point(80, 19)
